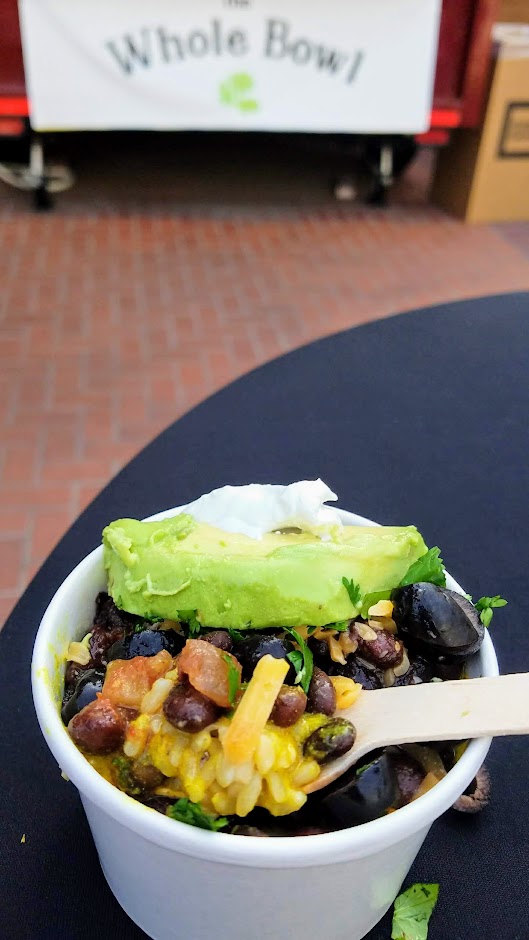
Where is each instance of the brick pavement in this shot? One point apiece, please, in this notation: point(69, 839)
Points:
point(140, 295)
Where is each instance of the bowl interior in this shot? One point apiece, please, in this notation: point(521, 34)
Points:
point(69, 617)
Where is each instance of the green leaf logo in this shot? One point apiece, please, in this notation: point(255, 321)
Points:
point(234, 92)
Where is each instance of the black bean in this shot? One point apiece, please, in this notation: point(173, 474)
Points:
point(219, 638)
point(146, 643)
point(109, 616)
point(249, 831)
point(98, 728)
point(73, 673)
point(366, 674)
point(160, 803)
point(288, 706)
point(189, 710)
point(420, 671)
point(330, 741)
point(101, 641)
point(321, 694)
point(253, 648)
point(146, 775)
point(447, 668)
point(320, 652)
point(86, 690)
point(385, 651)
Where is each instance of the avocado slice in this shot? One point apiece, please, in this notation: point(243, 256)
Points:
point(156, 569)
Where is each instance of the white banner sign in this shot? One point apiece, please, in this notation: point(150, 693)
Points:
point(359, 66)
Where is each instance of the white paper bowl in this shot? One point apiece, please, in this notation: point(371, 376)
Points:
point(178, 882)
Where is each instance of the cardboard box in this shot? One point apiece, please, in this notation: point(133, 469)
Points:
point(483, 175)
point(513, 11)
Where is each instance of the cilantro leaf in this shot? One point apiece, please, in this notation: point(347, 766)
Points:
point(486, 606)
point(429, 567)
point(412, 912)
point(341, 626)
point(189, 618)
point(353, 591)
point(296, 658)
point(236, 636)
point(302, 660)
point(192, 813)
point(234, 678)
point(371, 599)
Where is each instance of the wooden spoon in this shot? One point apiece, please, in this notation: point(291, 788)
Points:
point(433, 711)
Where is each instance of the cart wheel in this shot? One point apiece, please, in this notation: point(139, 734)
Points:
point(378, 196)
point(345, 189)
point(42, 200)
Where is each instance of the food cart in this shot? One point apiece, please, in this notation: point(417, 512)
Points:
point(388, 74)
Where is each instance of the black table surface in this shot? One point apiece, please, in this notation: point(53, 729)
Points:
point(421, 418)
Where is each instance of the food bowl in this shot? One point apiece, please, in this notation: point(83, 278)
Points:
point(177, 881)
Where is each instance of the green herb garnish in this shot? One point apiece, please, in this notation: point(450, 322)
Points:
point(361, 769)
point(236, 636)
point(126, 781)
point(192, 813)
point(302, 660)
point(341, 626)
point(189, 617)
point(139, 628)
point(371, 599)
point(412, 912)
point(353, 591)
point(486, 606)
point(234, 679)
point(429, 567)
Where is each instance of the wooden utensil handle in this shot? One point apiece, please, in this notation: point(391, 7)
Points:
point(435, 711)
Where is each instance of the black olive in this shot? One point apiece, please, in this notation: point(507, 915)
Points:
point(436, 622)
point(86, 689)
point(253, 648)
point(146, 643)
point(410, 775)
point(362, 794)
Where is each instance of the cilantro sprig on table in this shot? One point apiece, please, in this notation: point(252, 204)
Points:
point(193, 815)
point(412, 912)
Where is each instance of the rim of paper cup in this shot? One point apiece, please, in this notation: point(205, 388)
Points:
point(278, 852)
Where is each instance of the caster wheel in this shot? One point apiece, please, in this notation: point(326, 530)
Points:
point(345, 189)
point(379, 196)
point(42, 199)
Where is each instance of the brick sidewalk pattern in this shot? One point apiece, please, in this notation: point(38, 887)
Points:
point(118, 316)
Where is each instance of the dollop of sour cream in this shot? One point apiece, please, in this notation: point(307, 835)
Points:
point(258, 508)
